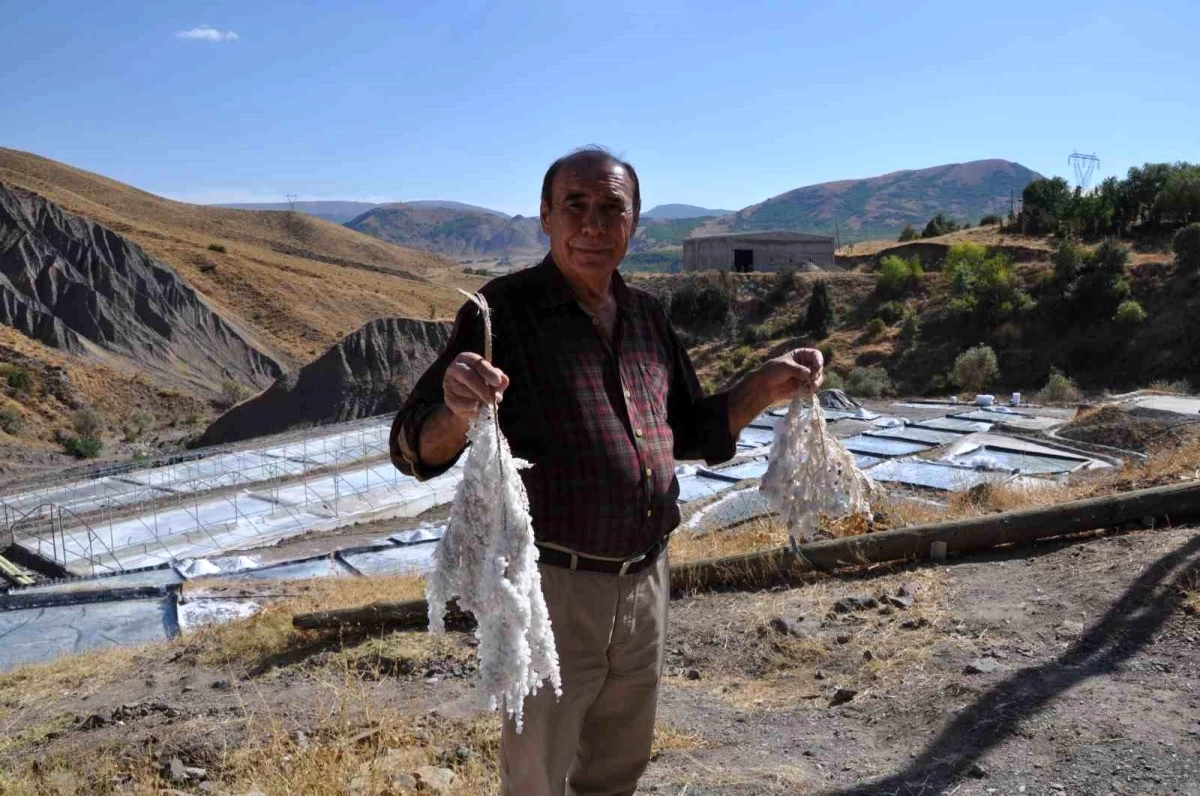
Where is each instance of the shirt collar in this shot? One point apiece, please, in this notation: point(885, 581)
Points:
point(558, 290)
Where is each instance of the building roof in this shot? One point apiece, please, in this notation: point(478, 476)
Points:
point(779, 234)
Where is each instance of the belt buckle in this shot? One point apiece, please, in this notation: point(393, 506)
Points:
point(628, 562)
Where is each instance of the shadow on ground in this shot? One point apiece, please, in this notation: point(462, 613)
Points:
point(1128, 626)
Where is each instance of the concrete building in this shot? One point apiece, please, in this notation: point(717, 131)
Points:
point(744, 252)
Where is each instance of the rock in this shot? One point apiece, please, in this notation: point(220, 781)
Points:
point(693, 674)
point(462, 754)
point(868, 655)
point(187, 689)
point(93, 722)
point(432, 778)
point(845, 606)
point(81, 284)
point(221, 684)
point(887, 610)
point(820, 675)
point(845, 638)
point(982, 666)
point(174, 770)
point(1069, 629)
point(780, 625)
point(300, 738)
point(195, 772)
point(977, 771)
point(367, 373)
point(842, 696)
point(868, 602)
point(907, 590)
point(913, 624)
point(900, 601)
point(208, 787)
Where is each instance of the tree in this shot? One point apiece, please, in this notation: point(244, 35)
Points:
point(908, 233)
point(818, 320)
point(1179, 199)
point(1186, 245)
point(975, 368)
point(939, 225)
point(1044, 204)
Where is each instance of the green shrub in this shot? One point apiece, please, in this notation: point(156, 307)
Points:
point(695, 305)
point(82, 447)
point(833, 381)
point(875, 328)
point(991, 219)
point(1186, 245)
point(217, 247)
point(1068, 260)
point(11, 421)
point(827, 353)
point(755, 333)
point(910, 328)
point(975, 368)
point(1180, 387)
point(741, 355)
point(138, 424)
point(908, 233)
point(983, 284)
point(818, 318)
point(897, 276)
point(783, 284)
point(233, 393)
point(1059, 389)
point(88, 422)
point(1130, 313)
point(19, 380)
point(869, 382)
point(891, 311)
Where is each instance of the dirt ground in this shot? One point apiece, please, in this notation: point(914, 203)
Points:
point(1090, 684)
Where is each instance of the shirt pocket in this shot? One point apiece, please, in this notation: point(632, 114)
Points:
point(656, 384)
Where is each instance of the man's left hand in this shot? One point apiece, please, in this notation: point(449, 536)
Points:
point(800, 370)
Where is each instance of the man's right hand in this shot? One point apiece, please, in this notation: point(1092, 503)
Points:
point(470, 383)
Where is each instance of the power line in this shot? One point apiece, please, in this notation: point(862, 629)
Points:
point(1085, 167)
point(291, 197)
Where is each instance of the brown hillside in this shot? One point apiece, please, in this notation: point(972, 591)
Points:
point(297, 283)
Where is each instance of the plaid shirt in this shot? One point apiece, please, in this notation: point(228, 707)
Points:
point(602, 426)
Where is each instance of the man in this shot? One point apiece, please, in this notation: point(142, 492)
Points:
point(597, 392)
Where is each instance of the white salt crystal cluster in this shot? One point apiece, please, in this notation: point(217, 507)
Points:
point(810, 474)
point(488, 561)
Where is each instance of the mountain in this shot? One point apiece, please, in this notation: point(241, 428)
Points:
point(454, 232)
point(337, 212)
point(445, 204)
point(72, 284)
point(879, 207)
point(294, 283)
point(682, 211)
point(366, 373)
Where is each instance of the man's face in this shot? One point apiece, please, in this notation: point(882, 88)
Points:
point(590, 218)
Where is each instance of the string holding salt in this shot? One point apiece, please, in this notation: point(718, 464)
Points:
point(810, 474)
point(487, 559)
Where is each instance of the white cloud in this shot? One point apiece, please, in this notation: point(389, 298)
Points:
point(207, 33)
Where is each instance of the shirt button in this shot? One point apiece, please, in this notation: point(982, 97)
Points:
point(649, 472)
point(638, 433)
point(649, 512)
point(595, 321)
point(628, 394)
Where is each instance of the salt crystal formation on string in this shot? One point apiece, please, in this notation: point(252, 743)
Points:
point(487, 559)
point(810, 474)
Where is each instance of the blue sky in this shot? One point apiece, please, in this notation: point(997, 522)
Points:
point(719, 104)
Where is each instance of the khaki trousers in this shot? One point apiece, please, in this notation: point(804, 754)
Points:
point(595, 741)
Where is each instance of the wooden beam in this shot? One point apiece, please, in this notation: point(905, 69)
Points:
point(904, 544)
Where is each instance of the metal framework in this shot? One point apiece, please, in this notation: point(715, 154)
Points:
point(230, 498)
point(1085, 166)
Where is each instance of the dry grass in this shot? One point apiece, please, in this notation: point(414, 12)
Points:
point(29, 687)
point(270, 632)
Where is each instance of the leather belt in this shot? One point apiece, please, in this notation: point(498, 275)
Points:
point(566, 558)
